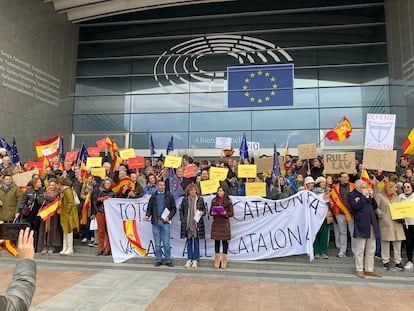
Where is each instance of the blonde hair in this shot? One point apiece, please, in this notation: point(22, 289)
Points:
point(388, 186)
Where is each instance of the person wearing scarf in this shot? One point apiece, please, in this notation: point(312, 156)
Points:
point(220, 229)
point(408, 195)
point(192, 228)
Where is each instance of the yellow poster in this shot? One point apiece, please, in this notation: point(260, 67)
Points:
point(209, 186)
point(255, 189)
point(98, 171)
point(247, 171)
point(94, 161)
point(402, 210)
point(127, 153)
point(172, 161)
point(218, 173)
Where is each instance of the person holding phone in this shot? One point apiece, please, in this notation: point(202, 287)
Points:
point(20, 292)
point(220, 229)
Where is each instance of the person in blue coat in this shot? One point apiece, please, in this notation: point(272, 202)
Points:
point(363, 205)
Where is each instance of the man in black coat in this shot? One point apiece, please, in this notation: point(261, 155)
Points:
point(366, 229)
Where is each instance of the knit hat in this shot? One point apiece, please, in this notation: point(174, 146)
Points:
point(320, 179)
point(309, 180)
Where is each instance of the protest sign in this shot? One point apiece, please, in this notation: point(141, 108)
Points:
point(307, 151)
point(246, 171)
point(335, 163)
point(377, 159)
point(257, 189)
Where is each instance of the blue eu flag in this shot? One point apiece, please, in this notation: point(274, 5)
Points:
point(260, 86)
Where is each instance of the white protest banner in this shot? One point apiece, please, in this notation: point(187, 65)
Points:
point(379, 133)
point(223, 143)
point(260, 228)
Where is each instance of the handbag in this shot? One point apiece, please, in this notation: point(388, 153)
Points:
point(27, 209)
point(93, 225)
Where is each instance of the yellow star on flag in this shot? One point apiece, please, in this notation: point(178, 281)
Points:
point(246, 94)
point(267, 74)
point(252, 75)
point(272, 93)
point(244, 87)
point(259, 101)
point(252, 99)
point(259, 72)
point(247, 80)
point(267, 98)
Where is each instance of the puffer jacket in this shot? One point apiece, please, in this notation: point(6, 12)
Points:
point(11, 201)
point(20, 292)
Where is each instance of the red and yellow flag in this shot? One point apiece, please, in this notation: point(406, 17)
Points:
point(24, 188)
point(113, 149)
point(131, 232)
point(83, 217)
point(408, 145)
point(122, 183)
point(341, 131)
point(47, 148)
point(10, 248)
point(49, 210)
point(84, 172)
point(339, 203)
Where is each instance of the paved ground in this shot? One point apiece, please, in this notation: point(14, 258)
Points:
point(88, 285)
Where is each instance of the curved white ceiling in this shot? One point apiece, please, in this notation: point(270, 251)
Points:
point(82, 10)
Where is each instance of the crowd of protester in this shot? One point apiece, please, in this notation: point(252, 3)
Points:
point(69, 182)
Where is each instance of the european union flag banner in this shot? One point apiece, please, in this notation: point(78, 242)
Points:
point(260, 86)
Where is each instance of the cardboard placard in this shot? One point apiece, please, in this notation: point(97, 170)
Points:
point(256, 189)
point(266, 164)
point(402, 210)
point(137, 162)
point(127, 154)
point(94, 161)
point(246, 171)
point(377, 159)
point(189, 171)
point(98, 171)
point(173, 161)
point(218, 173)
point(102, 143)
point(335, 163)
point(71, 156)
point(23, 178)
point(307, 151)
point(93, 151)
point(209, 186)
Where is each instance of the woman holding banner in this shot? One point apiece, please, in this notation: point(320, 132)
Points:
point(221, 210)
point(192, 211)
point(391, 231)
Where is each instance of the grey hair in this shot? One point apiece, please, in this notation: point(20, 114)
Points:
point(360, 183)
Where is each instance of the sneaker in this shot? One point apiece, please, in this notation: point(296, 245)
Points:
point(157, 264)
point(399, 267)
point(169, 264)
point(194, 265)
point(93, 244)
point(92, 239)
point(44, 251)
point(386, 266)
point(324, 256)
point(317, 255)
point(51, 250)
point(408, 265)
point(84, 240)
point(341, 255)
point(188, 264)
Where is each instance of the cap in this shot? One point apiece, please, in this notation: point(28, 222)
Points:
point(309, 180)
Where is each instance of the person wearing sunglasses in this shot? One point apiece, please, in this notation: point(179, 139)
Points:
point(408, 195)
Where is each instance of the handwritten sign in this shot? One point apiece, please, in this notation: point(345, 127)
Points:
point(189, 171)
point(377, 159)
point(256, 189)
point(127, 154)
point(98, 171)
point(71, 156)
point(335, 163)
point(23, 178)
point(102, 143)
point(94, 161)
point(93, 151)
point(209, 186)
point(218, 173)
point(246, 171)
point(307, 151)
point(402, 210)
point(173, 161)
point(137, 162)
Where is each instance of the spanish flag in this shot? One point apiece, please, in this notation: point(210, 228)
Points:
point(10, 248)
point(113, 149)
point(336, 198)
point(341, 131)
point(116, 163)
point(123, 182)
point(365, 177)
point(408, 145)
point(49, 210)
point(84, 172)
point(131, 232)
point(24, 188)
point(47, 148)
point(83, 217)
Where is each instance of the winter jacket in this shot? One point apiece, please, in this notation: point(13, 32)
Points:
point(169, 203)
point(11, 201)
point(220, 228)
point(184, 214)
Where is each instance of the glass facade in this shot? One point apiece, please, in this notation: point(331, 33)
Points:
point(164, 72)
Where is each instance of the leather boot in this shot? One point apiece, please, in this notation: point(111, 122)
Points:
point(69, 243)
point(216, 260)
point(224, 262)
point(65, 245)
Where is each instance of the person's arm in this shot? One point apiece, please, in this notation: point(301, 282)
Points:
point(20, 292)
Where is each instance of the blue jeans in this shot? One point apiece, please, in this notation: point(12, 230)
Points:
point(161, 232)
point(193, 248)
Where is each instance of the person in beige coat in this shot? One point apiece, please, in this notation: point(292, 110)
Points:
point(391, 231)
